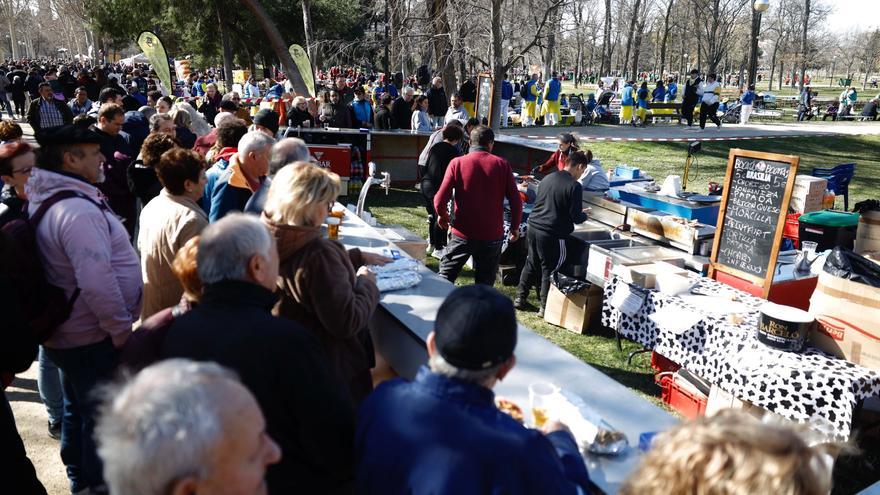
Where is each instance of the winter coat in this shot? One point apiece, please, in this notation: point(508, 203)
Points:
point(166, 223)
point(320, 291)
point(88, 248)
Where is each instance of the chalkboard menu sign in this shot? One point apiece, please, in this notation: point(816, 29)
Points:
point(754, 205)
point(485, 88)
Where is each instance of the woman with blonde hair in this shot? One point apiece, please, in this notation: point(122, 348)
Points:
point(733, 453)
point(299, 114)
point(320, 287)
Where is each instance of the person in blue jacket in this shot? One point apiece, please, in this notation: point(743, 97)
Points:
point(747, 101)
point(627, 102)
point(442, 432)
point(642, 96)
point(506, 95)
point(659, 93)
point(671, 90)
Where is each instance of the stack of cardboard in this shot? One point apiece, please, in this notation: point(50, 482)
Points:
point(807, 194)
point(574, 312)
point(847, 313)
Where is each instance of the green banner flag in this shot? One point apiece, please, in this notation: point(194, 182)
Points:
point(301, 59)
point(155, 52)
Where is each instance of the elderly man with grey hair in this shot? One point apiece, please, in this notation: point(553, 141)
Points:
point(444, 424)
point(284, 152)
point(182, 427)
point(307, 408)
point(243, 177)
point(162, 123)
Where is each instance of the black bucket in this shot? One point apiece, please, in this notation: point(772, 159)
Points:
point(784, 327)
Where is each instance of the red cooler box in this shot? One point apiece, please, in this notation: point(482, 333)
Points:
point(336, 158)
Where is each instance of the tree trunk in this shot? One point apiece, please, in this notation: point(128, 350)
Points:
point(665, 38)
point(804, 46)
point(307, 32)
point(498, 67)
point(442, 43)
point(781, 73)
point(606, 41)
point(227, 50)
point(831, 76)
point(772, 67)
point(632, 32)
point(277, 42)
point(637, 47)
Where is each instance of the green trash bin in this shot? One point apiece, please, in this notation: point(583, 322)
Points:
point(844, 82)
point(828, 229)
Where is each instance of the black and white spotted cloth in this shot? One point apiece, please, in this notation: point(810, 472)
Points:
point(810, 387)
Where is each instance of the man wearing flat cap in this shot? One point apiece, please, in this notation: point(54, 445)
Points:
point(86, 252)
point(442, 433)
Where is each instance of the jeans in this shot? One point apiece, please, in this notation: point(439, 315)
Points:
point(436, 235)
point(709, 112)
point(16, 470)
point(83, 368)
point(486, 255)
point(49, 384)
point(4, 103)
point(546, 255)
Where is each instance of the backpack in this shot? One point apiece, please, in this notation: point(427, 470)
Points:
point(46, 305)
point(524, 90)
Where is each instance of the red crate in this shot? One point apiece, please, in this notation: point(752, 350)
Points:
point(791, 229)
point(690, 403)
point(663, 364)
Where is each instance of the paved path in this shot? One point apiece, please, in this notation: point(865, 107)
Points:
point(671, 132)
point(31, 419)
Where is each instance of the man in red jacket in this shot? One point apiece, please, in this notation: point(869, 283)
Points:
point(481, 182)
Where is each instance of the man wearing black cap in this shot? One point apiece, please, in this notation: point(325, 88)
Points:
point(266, 121)
point(87, 253)
point(442, 433)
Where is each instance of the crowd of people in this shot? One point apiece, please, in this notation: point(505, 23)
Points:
point(200, 334)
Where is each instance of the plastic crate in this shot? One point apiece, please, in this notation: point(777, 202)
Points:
point(791, 229)
point(627, 172)
point(689, 402)
point(661, 364)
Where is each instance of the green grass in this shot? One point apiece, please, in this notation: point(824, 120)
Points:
point(405, 207)
point(662, 159)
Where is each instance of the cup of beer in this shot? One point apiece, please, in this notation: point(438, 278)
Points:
point(539, 398)
point(338, 212)
point(333, 228)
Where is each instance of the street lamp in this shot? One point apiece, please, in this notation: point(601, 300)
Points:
point(758, 8)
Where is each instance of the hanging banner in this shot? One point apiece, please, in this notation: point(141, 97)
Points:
point(155, 52)
point(301, 59)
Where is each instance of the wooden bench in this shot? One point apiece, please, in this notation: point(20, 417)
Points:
point(667, 110)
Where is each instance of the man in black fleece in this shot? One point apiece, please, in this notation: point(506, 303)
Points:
point(558, 207)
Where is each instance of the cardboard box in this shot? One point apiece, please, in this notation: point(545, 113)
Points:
point(720, 399)
point(809, 185)
point(805, 205)
point(847, 313)
point(575, 311)
point(410, 243)
point(646, 275)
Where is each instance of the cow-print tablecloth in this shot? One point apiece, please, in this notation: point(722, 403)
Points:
point(809, 387)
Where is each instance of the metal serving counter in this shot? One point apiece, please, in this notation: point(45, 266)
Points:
point(406, 317)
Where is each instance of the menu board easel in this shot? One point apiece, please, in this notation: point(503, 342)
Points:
point(754, 204)
point(485, 90)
